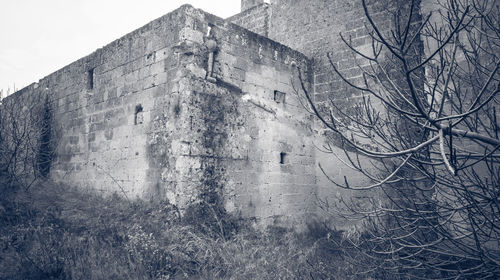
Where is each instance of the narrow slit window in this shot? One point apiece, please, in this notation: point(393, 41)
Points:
point(282, 158)
point(90, 84)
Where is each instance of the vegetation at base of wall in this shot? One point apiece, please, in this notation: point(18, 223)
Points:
point(28, 137)
point(56, 232)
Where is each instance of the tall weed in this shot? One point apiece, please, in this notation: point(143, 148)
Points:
point(57, 232)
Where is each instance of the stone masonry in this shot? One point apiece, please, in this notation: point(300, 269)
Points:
point(191, 102)
point(187, 102)
point(313, 27)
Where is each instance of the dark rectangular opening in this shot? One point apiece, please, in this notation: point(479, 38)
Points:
point(137, 115)
point(282, 157)
point(90, 84)
point(279, 97)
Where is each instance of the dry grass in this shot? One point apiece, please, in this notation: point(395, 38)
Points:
point(56, 232)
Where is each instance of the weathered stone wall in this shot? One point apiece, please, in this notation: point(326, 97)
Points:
point(24, 122)
point(248, 4)
point(255, 18)
point(192, 108)
point(312, 27)
point(151, 115)
point(104, 106)
point(277, 179)
point(246, 134)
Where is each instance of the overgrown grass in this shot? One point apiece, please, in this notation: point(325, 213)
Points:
point(56, 232)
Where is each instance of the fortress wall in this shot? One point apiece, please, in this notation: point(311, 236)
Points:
point(246, 135)
point(148, 116)
point(248, 4)
point(312, 27)
point(101, 134)
point(106, 128)
point(278, 179)
point(255, 19)
point(145, 117)
point(23, 121)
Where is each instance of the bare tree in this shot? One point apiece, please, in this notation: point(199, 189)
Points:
point(26, 138)
point(425, 132)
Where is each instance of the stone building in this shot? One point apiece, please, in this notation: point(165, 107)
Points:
point(191, 103)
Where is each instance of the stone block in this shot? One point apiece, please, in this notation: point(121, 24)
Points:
point(188, 34)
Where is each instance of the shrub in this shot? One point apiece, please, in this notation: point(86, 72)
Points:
point(57, 232)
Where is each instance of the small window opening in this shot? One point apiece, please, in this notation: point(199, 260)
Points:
point(279, 96)
point(138, 114)
point(282, 157)
point(90, 84)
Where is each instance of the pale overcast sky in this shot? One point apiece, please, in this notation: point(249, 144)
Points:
point(38, 37)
